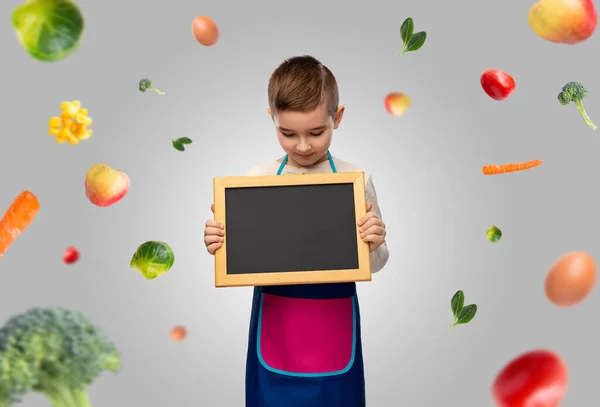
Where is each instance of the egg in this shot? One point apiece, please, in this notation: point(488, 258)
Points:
point(571, 279)
point(205, 31)
point(178, 333)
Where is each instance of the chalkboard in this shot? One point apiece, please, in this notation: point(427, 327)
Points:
point(291, 229)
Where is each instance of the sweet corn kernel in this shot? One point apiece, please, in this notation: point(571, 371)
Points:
point(71, 110)
point(76, 128)
point(76, 103)
point(82, 119)
point(65, 132)
point(86, 135)
point(83, 111)
point(54, 122)
point(61, 140)
point(54, 131)
point(72, 139)
point(64, 106)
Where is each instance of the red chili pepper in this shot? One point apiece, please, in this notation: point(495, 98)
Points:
point(497, 84)
point(71, 255)
point(537, 379)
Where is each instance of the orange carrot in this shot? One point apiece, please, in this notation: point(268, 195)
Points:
point(17, 218)
point(504, 168)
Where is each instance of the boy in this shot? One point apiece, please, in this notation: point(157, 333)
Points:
point(305, 345)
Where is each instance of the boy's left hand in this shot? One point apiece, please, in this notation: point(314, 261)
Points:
point(372, 229)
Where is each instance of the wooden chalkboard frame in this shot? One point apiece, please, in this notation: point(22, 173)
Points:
point(363, 273)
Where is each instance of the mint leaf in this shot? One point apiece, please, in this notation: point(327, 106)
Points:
point(406, 30)
point(416, 41)
point(457, 303)
point(184, 140)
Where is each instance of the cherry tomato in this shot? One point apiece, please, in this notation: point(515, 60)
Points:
point(497, 84)
point(534, 379)
point(70, 255)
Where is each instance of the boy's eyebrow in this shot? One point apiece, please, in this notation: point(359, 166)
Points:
point(313, 129)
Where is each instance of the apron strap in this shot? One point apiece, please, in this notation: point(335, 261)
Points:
point(284, 161)
point(331, 162)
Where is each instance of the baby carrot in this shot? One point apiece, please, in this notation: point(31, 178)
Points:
point(17, 218)
point(504, 168)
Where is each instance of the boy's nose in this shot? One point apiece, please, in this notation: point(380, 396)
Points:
point(303, 148)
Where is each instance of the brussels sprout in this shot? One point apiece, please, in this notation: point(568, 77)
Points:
point(49, 30)
point(152, 259)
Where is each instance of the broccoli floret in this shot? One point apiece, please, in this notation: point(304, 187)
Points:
point(16, 377)
point(146, 84)
point(575, 92)
point(55, 352)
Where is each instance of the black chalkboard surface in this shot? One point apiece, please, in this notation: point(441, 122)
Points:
point(291, 229)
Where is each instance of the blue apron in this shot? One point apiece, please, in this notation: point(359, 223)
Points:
point(304, 346)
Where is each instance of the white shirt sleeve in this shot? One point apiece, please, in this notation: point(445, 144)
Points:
point(380, 256)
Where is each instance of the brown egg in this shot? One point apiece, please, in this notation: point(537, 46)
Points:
point(178, 333)
point(571, 279)
point(205, 30)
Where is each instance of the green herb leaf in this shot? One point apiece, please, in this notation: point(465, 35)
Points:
point(416, 41)
point(457, 303)
point(465, 316)
point(406, 30)
point(178, 145)
point(184, 140)
point(493, 234)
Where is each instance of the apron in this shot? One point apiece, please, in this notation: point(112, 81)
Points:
point(304, 346)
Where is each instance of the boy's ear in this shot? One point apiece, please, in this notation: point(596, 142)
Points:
point(338, 116)
point(269, 111)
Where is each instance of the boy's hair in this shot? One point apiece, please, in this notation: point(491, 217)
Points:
point(301, 84)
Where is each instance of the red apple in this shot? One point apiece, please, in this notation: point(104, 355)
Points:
point(396, 103)
point(105, 186)
point(563, 21)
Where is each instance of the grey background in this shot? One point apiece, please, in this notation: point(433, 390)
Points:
point(426, 166)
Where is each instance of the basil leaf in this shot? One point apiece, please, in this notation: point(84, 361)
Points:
point(416, 41)
point(178, 145)
point(457, 303)
point(406, 30)
point(184, 140)
point(466, 314)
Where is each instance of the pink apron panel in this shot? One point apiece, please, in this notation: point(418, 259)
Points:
point(298, 335)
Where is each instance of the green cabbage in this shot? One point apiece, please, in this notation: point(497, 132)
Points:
point(49, 30)
point(152, 259)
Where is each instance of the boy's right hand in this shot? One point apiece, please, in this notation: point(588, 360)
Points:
point(213, 234)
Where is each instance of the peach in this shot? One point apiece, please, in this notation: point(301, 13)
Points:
point(563, 21)
point(396, 103)
point(105, 186)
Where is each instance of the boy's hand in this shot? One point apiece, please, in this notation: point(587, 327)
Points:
point(372, 229)
point(213, 234)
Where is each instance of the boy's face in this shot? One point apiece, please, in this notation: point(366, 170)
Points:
point(306, 136)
